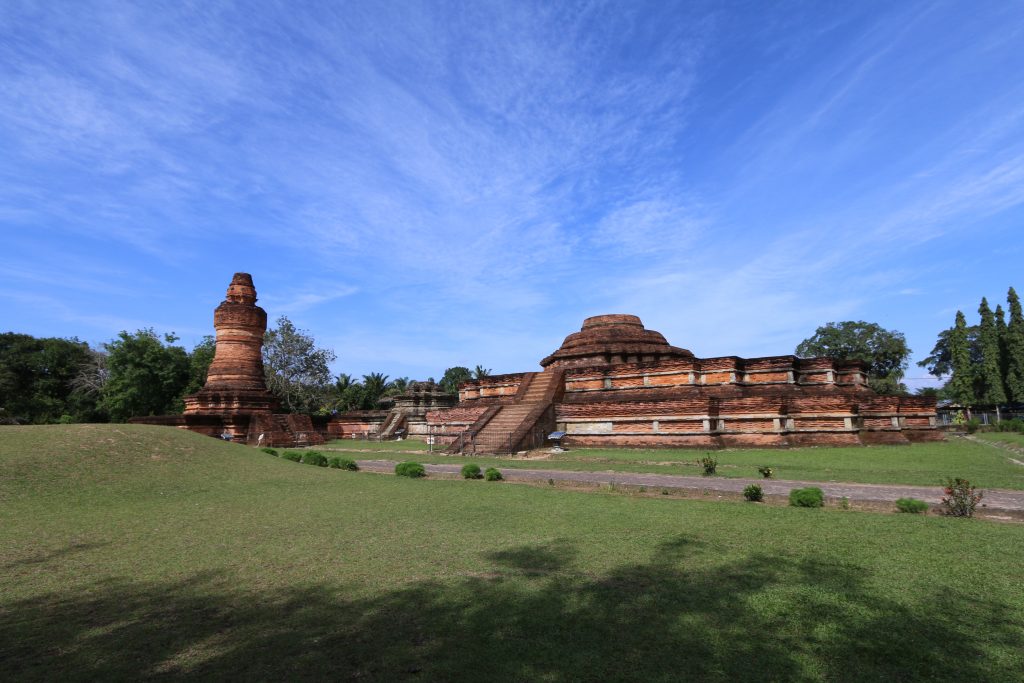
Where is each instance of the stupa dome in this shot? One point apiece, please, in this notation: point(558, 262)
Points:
point(610, 340)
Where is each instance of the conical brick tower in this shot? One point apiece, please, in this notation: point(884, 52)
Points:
point(235, 383)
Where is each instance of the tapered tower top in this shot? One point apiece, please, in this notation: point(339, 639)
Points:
point(241, 289)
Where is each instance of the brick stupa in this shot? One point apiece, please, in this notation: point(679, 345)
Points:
point(235, 402)
point(235, 383)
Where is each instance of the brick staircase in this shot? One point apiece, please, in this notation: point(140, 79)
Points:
point(505, 430)
point(395, 420)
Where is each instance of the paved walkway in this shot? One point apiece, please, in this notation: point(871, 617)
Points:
point(994, 500)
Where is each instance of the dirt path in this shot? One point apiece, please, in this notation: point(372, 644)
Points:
point(995, 499)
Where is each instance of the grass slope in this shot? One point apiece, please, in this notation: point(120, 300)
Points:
point(133, 551)
point(926, 464)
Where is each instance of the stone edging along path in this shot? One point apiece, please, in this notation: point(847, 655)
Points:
point(994, 500)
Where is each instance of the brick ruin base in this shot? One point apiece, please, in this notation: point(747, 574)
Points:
point(615, 383)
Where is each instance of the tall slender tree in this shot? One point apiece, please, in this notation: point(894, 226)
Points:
point(1001, 334)
point(990, 390)
point(961, 385)
point(1015, 349)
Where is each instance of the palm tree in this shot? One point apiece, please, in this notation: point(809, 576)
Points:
point(374, 386)
point(479, 372)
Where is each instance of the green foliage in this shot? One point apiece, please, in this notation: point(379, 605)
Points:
point(990, 375)
point(961, 498)
point(342, 463)
point(972, 425)
point(199, 363)
point(410, 469)
point(269, 451)
point(810, 497)
point(314, 458)
point(493, 474)
point(1014, 425)
point(766, 472)
point(453, 377)
point(38, 380)
point(374, 386)
point(147, 375)
point(297, 371)
point(753, 493)
point(1014, 346)
point(885, 351)
point(294, 456)
point(479, 372)
point(471, 471)
point(709, 464)
point(961, 385)
point(911, 505)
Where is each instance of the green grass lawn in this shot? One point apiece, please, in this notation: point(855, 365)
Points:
point(926, 464)
point(1002, 437)
point(137, 551)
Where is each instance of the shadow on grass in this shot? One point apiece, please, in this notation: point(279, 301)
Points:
point(536, 617)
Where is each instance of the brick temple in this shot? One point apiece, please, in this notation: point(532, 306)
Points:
point(235, 402)
point(616, 383)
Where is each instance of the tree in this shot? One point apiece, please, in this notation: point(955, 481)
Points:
point(296, 370)
point(146, 375)
point(37, 378)
point(199, 363)
point(885, 351)
point(940, 362)
point(960, 387)
point(397, 386)
point(453, 377)
point(1015, 349)
point(374, 386)
point(990, 390)
point(479, 372)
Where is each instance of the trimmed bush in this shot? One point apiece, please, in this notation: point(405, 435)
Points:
point(493, 474)
point(342, 463)
point(314, 458)
point(911, 505)
point(753, 493)
point(709, 464)
point(810, 497)
point(294, 456)
point(471, 471)
point(269, 451)
point(410, 469)
point(766, 472)
point(961, 498)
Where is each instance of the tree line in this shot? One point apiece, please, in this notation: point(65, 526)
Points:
point(51, 380)
point(984, 363)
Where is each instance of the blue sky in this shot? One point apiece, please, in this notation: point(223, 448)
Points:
point(423, 185)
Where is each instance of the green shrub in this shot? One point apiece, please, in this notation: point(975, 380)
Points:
point(810, 497)
point(294, 456)
point(410, 469)
point(961, 498)
point(753, 493)
point(493, 474)
point(269, 451)
point(972, 425)
point(766, 472)
point(911, 505)
point(471, 471)
point(1014, 425)
point(709, 464)
point(314, 458)
point(844, 503)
